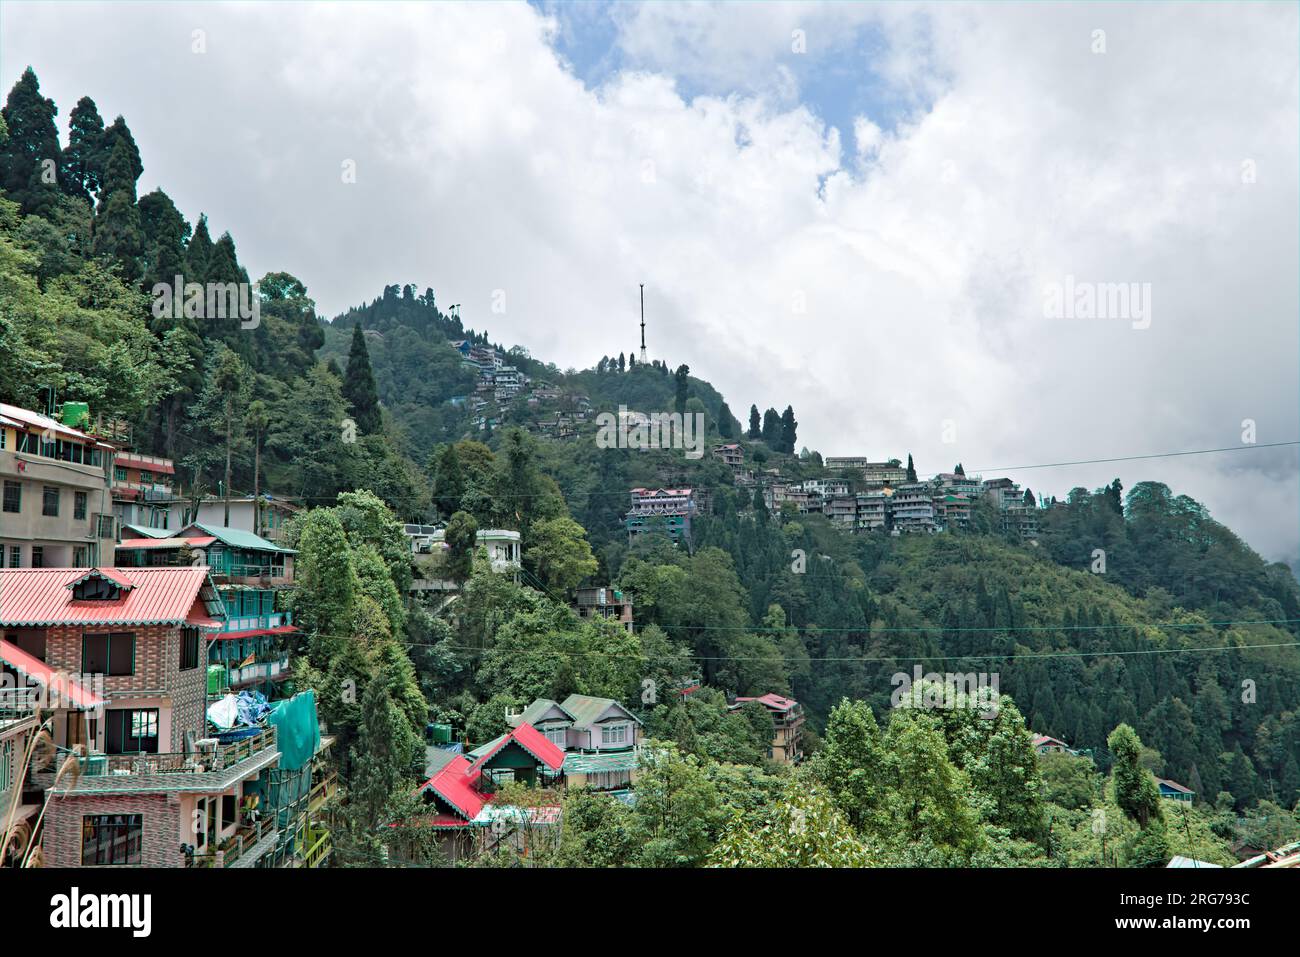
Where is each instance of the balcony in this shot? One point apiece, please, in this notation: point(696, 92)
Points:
point(204, 771)
point(268, 670)
point(275, 619)
point(251, 841)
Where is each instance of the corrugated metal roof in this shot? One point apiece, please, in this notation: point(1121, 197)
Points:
point(44, 675)
point(238, 538)
point(34, 597)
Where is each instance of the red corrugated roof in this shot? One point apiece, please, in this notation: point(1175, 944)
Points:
point(772, 700)
point(454, 783)
point(43, 674)
point(35, 597)
point(199, 541)
point(532, 741)
point(126, 461)
point(253, 633)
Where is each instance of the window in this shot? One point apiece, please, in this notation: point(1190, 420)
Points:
point(13, 496)
point(557, 737)
point(50, 501)
point(131, 730)
point(108, 654)
point(189, 648)
point(105, 523)
point(15, 556)
point(111, 838)
point(79, 506)
point(79, 556)
point(38, 556)
point(119, 473)
point(613, 734)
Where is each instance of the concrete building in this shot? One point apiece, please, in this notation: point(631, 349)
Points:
point(57, 506)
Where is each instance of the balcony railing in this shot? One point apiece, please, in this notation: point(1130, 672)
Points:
point(259, 670)
point(221, 758)
point(248, 835)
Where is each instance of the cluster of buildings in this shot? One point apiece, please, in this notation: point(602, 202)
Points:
point(879, 496)
point(495, 377)
point(124, 613)
point(580, 742)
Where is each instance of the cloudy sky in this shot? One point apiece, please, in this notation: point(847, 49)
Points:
point(859, 210)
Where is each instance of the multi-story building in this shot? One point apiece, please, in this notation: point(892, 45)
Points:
point(599, 737)
point(669, 510)
point(841, 511)
point(912, 508)
point(265, 516)
point(839, 463)
point(732, 455)
point(787, 722)
point(952, 511)
point(608, 603)
point(144, 491)
point(873, 509)
point(153, 787)
point(56, 509)
point(879, 474)
point(502, 546)
point(252, 576)
point(826, 488)
point(18, 725)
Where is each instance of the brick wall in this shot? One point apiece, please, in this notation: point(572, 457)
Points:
point(160, 839)
point(157, 672)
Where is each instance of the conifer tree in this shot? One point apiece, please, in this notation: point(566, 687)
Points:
point(755, 429)
point(31, 153)
point(359, 386)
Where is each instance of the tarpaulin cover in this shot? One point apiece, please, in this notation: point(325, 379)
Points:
point(246, 709)
point(298, 729)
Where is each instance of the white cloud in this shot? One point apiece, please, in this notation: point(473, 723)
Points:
point(483, 163)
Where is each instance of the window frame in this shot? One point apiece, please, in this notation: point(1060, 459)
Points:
point(16, 487)
point(107, 837)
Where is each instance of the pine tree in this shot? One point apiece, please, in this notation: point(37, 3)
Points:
point(680, 386)
point(726, 422)
point(755, 429)
point(31, 153)
point(84, 159)
point(788, 427)
point(772, 430)
point(359, 386)
point(911, 469)
point(118, 235)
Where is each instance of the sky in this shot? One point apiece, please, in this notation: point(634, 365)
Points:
point(872, 213)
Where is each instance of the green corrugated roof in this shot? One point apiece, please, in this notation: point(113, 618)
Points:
point(586, 709)
point(533, 713)
point(238, 538)
point(600, 762)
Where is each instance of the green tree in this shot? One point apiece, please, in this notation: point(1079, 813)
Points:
point(559, 554)
point(359, 385)
point(755, 428)
point(460, 536)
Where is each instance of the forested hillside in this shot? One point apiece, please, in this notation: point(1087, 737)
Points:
point(1179, 659)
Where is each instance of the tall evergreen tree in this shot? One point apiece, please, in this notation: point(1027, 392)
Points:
point(772, 430)
point(359, 386)
point(755, 427)
point(30, 158)
point(788, 427)
point(911, 469)
point(84, 159)
point(680, 386)
point(118, 235)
